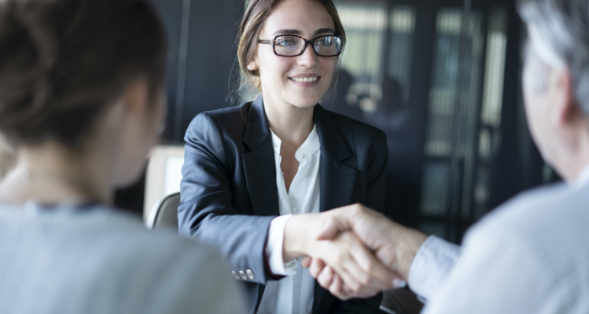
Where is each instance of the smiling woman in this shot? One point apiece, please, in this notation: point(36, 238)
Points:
point(254, 173)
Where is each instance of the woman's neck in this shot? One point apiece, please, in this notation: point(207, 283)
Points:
point(52, 174)
point(290, 123)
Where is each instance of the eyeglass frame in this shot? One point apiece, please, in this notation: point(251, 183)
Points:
point(312, 42)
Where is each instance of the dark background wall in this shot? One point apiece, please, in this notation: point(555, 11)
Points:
point(201, 56)
point(202, 69)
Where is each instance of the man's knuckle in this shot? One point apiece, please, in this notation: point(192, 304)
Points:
point(356, 287)
point(364, 280)
point(369, 268)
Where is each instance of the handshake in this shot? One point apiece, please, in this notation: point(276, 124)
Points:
point(352, 251)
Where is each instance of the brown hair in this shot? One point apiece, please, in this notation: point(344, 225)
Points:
point(63, 61)
point(255, 15)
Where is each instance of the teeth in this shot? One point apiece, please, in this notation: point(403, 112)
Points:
point(304, 79)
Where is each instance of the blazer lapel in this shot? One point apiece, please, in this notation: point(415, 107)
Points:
point(258, 163)
point(337, 183)
point(337, 178)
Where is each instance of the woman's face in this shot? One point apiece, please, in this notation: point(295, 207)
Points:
point(302, 80)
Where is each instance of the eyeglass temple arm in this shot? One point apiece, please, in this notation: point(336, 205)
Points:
point(264, 41)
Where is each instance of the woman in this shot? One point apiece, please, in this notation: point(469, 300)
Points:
point(81, 105)
point(283, 154)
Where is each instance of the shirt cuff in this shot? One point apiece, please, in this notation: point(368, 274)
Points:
point(433, 262)
point(274, 248)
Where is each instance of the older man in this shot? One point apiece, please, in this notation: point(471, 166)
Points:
point(529, 255)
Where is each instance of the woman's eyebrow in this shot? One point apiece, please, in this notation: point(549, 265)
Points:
point(298, 32)
point(287, 32)
point(324, 31)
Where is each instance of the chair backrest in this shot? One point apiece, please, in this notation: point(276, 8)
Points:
point(165, 213)
point(164, 173)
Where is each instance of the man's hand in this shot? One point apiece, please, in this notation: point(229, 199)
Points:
point(393, 244)
point(354, 263)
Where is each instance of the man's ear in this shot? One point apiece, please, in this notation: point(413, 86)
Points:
point(136, 96)
point(565, 107)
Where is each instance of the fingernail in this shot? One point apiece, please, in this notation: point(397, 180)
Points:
point(399, 283)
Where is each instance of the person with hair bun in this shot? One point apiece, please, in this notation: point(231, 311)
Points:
point(81, 104)
point(253, 174)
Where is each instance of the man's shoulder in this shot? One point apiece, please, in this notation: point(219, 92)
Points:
point(548, 220)
point(534, 206)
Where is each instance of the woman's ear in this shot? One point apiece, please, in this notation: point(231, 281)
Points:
point(563, 99)
point(252, 65)
point(136, 96)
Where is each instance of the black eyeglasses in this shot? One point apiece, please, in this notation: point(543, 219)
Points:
point(293, 45)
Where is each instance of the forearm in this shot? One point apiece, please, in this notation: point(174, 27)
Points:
point(240, 238)
point(296, 240)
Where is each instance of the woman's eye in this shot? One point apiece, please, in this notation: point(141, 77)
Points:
point(324, 42)
point(285, 42)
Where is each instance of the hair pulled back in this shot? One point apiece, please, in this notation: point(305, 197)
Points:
point(255, 15)
point(63, 61)
point(563, 25)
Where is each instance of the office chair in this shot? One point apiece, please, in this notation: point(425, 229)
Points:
point(164, 213)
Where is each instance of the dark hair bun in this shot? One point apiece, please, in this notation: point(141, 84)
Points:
point(23, 73)
point(63, 61)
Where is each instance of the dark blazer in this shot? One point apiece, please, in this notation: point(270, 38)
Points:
point(229, 194)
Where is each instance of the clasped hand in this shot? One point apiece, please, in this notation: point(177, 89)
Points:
point(352, 251)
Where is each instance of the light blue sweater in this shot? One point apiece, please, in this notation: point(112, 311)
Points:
point(97, 260)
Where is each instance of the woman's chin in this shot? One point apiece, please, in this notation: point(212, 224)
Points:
point(305, 105)
point(304, 101)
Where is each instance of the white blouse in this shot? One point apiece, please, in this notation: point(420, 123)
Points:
point(294, 293)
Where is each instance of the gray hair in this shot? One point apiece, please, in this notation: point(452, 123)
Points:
point(563, 26)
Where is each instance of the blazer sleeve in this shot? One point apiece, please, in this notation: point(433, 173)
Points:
point(206, 212)
point(375, 199)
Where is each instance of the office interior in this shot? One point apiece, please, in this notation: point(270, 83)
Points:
point(441, 78)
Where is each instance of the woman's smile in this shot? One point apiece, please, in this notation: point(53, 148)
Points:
point(305, 80)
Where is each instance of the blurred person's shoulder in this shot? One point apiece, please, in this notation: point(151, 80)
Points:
point(551, 207)
point(549, 221)
point(109, 255)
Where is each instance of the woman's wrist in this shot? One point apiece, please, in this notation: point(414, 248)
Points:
point(296, 237)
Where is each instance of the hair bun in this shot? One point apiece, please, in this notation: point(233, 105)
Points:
point(63, 61)
point(26, 58)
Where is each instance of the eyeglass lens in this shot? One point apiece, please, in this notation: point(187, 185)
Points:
point(293, 45)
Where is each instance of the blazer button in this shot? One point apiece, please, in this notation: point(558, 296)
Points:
point(235, 275)
point(242, 275)
point(250, 274)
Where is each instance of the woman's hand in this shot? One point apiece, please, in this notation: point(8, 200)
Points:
point(330, 280)
point(355, 265)
point(393, 244)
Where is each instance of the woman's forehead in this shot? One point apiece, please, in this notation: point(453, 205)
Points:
point(304, 16)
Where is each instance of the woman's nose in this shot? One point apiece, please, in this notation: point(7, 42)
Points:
point(308, 58)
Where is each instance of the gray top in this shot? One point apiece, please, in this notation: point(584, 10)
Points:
point(97, 260)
